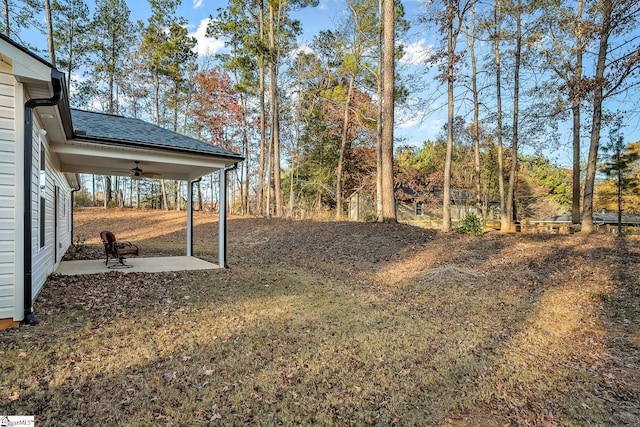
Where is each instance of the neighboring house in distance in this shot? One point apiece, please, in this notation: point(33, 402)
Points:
point(558, 224)
point(361, 207)
point(609, 220)
point(412, 207)
point(605, 221)
point(44, 145)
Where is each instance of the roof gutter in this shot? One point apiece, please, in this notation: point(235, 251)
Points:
point(57, 81)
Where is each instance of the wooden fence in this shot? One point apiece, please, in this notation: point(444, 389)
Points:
point(529, 227)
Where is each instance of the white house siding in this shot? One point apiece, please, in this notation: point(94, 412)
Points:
point(44, 259)
point(64, 218)
point(7, 192)
point(64, 205)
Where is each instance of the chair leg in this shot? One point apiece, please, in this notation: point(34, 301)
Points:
point(119, 263)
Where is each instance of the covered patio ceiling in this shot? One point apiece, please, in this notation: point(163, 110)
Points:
point(79, 156)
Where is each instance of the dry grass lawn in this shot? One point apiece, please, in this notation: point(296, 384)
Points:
point(332, 323)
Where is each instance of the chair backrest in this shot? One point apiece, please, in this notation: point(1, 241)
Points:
point(109, 240)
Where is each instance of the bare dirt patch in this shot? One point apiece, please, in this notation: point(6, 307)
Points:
point(334, 323)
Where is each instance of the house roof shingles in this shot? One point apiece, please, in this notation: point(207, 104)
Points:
point(129, 131)
point(612, 218)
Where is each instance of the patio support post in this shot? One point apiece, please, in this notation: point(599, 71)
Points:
point(189, 218)
point(222, 220)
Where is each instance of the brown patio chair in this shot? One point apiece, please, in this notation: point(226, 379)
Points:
point(117, 250)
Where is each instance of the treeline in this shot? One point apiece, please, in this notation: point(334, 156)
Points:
point(311, 119)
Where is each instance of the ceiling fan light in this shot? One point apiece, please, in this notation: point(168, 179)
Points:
point(136, 172)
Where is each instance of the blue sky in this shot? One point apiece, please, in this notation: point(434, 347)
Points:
point(413, 127)
point(313, 20)
point(324, 16)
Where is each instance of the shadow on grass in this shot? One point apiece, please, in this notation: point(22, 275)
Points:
point(540, 363)
point(330, 324)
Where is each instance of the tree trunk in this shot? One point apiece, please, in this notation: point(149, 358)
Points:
point(291, 191)
point(261, 93)
point(343, 149)
point(245, 182)
point(575, 93)
point(163, 190)
point(275, 114)
point(295, 151)
point(188, 96)
point(178, 185)
point(476, 113)
point(107, 191)
point(7, 21)
point(575, 192)
point(244, 185)
point(596, 123)
point(117, 193)
point(511, 196)
point(446, 201)
point(71, 59)
point(380, 115)
point(269, 179)
point(263, 145)
point(52, 52)
point(199, 191)
point(156, 96)
point(112, 77)
point(211, 186)
point(176, 103)
point(620, 184)
point(388, 198)
point(504, 219)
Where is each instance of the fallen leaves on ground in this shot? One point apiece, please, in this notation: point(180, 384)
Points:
point(334, 323)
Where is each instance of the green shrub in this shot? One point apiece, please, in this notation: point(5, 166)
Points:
point(471, 224)
point(371, 217)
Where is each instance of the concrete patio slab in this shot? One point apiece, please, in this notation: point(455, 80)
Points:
point(139, 265)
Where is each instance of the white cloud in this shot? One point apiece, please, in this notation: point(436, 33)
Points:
point(197, 3)
point(417, 53)
point(206, 45)
point(301, 49)
point(406, 122)
point(436, 125)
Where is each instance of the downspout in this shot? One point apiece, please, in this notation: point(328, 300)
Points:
point(57, 82)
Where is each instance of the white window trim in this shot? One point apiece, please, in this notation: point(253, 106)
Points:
point(40, 205)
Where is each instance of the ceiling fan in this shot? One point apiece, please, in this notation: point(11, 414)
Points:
point(137, 173)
